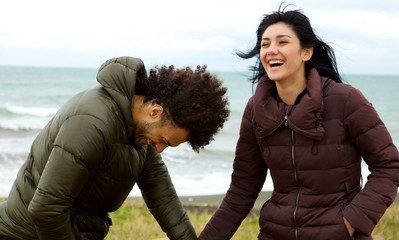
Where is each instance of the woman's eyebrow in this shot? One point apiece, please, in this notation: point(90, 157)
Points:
point(278, 36)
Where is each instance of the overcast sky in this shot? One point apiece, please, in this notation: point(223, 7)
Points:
point(82, 33)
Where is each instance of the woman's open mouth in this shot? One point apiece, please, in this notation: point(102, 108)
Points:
point(274, 64)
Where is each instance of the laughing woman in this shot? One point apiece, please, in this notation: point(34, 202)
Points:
point(311, 131)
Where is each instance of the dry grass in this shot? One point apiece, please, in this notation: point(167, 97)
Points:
point(388, 227)
point(134, 221)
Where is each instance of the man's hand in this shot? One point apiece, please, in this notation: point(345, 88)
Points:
point(349, 227)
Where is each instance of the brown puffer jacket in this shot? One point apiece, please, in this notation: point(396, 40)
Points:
point(83, 164)
point(313, 151)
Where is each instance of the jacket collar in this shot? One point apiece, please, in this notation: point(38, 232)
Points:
point(119, 76)
point(304, 118)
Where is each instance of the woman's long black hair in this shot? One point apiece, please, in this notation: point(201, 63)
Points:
point(323, 58)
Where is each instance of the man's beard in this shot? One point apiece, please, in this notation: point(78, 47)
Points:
point(143, 129)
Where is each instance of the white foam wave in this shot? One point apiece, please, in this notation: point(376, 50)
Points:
point(32, 111)
point(23, 124)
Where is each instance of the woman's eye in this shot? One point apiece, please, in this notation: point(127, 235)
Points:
point(265, 44)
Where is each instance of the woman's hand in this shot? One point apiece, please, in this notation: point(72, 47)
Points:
point(349, 227)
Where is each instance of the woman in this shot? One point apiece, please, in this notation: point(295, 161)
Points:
point(311, 131)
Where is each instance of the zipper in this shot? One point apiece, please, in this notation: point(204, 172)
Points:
point(343, 206)
point(296, 181)
point(284, 121)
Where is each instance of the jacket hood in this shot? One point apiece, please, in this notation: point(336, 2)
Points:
point(119, 77)
point(304, 118)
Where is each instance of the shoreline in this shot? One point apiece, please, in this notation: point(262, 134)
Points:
point(209, 203)
point(215, 200)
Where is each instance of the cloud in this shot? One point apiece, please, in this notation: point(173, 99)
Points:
point(365, 41)
point(85, 33)
point(340, 5)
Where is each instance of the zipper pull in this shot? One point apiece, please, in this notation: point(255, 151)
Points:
point(286, 120)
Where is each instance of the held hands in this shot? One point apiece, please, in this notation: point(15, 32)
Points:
point(349, 227)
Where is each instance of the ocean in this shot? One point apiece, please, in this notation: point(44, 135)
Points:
point(30, 96)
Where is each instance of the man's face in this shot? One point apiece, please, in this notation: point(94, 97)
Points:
point(159, 134)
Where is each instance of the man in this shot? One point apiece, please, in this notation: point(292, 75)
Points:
point(85, 161)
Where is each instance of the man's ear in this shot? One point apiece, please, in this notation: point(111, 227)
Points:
point(156, 111)
point(307, 54)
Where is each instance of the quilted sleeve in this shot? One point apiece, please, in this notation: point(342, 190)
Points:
point(160, 196)
point(78, 148)
point(248, 177)
point(373, 141)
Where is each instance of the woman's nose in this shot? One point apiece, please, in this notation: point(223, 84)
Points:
point(272, 49)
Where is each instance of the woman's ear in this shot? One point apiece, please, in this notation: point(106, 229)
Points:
point(307, 54)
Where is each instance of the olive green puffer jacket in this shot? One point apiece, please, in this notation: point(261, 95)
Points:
point(83, 164)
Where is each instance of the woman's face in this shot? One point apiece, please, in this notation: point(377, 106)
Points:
point(281, 53)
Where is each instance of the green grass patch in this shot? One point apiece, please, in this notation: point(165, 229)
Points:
point(142, 225)
point(134, 221)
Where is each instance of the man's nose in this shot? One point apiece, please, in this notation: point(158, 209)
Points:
point(160, 147)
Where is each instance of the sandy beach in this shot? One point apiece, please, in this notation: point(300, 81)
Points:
point(209, 203)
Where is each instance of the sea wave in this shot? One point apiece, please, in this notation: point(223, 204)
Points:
point(12, 159)
point(22, 124)
point(20, 118)
point(18, 111)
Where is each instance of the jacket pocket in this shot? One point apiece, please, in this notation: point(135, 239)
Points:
point(344, 204)
point(261, 210)
point(260, 235)
point(348, 236)
point(264, 236)
point(264, 205)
